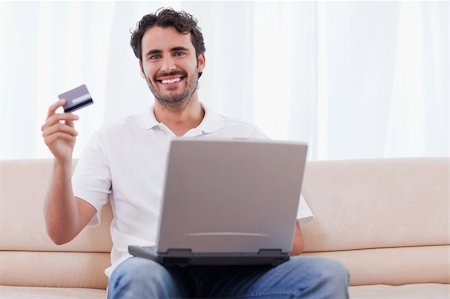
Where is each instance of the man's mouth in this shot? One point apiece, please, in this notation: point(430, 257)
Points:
point(171, 81)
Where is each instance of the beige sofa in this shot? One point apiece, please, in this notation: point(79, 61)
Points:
point(387, 220)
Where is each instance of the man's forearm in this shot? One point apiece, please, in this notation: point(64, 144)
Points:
point(298, 244)
point(61, 211)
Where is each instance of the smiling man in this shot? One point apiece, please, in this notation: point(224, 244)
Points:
point(171, 66)
point(126, 162)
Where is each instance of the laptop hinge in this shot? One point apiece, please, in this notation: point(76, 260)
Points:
point(276, 255)
point(270, 252)
point(177, 257)
point(179, 252)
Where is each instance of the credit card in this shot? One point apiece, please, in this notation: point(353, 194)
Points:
point(76, 98)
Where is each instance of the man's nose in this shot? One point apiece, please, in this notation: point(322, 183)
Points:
point(168, 64)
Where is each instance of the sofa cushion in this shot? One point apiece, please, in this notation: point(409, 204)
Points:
point(395, 266)
point(8, 292)
point(54, 269)
point(422, 291)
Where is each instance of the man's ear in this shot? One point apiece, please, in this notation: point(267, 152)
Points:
point(201, 62)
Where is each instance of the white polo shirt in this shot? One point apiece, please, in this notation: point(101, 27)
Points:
point(127, 160)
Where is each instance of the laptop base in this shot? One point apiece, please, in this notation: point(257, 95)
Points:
point(185, 257)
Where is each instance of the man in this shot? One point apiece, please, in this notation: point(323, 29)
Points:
point(127, 161)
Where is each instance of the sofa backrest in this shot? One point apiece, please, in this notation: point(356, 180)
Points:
point(27, 255)
point(387, 220)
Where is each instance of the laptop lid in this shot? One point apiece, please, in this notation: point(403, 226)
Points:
point(230, 196)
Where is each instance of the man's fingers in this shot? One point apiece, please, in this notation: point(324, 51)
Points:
point(55, 118)
point(53, 107)
point(59, 128)
point(70, 123)
point(58, 136)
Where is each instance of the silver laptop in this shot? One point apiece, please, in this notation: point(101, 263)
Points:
point(228, 202)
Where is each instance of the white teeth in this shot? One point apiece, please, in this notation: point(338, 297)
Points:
point(171, 81)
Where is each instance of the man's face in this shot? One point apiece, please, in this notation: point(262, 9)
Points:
point(170, 66)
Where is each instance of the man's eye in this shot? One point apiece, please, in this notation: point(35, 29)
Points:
point(154, 57)
point(178, 54)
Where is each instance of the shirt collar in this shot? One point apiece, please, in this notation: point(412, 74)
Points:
point(211, 122)
point(147, 120)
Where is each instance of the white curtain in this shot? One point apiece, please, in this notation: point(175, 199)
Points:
point(352, 79)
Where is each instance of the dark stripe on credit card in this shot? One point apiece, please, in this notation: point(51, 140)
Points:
point(79, 106)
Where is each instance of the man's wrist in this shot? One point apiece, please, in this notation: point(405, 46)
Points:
point(63, 163)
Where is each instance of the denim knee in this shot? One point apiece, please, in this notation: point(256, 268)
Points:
point(317, 277)
point(141, 278)
point(334, 270)
point(331, 276)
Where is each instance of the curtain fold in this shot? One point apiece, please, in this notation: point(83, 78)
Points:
point(352, 79)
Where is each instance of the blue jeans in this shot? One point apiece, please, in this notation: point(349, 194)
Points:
point(300, 277)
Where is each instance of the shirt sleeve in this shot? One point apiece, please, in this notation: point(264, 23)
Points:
point(91, 180)
point(304, 214)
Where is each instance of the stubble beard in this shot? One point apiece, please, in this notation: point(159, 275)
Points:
point(175, 101)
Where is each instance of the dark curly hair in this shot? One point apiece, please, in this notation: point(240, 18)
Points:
point(167, 17)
